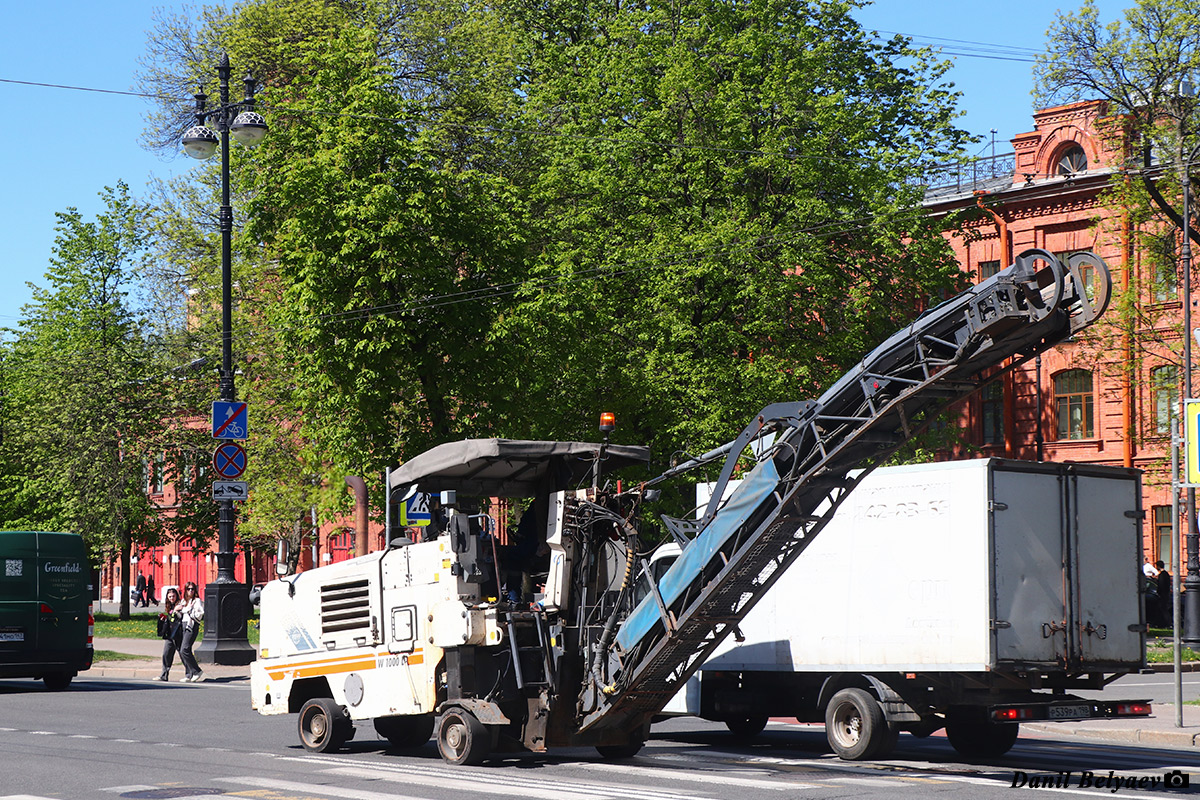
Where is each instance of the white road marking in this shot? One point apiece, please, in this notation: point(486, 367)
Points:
point(316, 788)
point(710, 776)
point(492, 783)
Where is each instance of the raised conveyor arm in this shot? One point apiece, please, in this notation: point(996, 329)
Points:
point(745, 541)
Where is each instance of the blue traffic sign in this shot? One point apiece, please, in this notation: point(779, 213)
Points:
point(229, 420)
point(229, 460)
point(414, 511)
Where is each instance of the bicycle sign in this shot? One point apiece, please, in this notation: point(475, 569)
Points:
point(229, 419)
point(229, 460)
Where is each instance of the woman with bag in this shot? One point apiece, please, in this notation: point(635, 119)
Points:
point(191, 612)
point(170, 628)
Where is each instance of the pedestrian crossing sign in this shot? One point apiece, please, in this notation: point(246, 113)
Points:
point(1191, 442)
point(414, 511)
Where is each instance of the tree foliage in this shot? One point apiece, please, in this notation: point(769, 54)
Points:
point(1137, 64)
point(89, 375)
point(479, 220)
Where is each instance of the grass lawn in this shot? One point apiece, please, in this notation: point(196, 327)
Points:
point(112, 655)
point(145, 626)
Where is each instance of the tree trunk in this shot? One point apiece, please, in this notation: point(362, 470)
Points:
point(123, 591)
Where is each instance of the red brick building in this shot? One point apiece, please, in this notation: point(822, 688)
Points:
point(1112, 396)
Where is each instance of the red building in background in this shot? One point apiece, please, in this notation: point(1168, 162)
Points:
point(1112, 396)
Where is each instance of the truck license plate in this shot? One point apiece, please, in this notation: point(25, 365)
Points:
point(1070, 712)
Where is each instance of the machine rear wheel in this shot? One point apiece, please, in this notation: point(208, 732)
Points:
point(855, 725)
point(461, 738)
point(407, 732)
point(323, 726)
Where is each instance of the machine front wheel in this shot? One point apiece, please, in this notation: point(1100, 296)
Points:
point(323, 726)
point(461, 738)
point(617, 752)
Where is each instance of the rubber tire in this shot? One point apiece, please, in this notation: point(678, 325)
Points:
point(978, 738)
point(747, 728)
point(462, 739)
point(855, 725)
point(323, 726)
point(407, 731)
point(57, 681)
point(619, 752)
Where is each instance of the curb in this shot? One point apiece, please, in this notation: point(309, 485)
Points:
point(1187, 666)
point(1175, 739)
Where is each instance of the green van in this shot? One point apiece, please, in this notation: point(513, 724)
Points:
point(46, 622)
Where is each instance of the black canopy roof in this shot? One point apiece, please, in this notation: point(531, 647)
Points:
point(509, 467)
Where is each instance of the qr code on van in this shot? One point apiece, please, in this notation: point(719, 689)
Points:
point(12, 568)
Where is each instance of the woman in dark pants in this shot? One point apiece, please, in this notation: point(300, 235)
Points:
point(171, 630)
point(191, 611)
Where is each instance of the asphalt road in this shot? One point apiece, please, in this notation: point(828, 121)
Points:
point(108, 739)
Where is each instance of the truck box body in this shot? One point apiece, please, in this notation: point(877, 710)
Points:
point(961, 566)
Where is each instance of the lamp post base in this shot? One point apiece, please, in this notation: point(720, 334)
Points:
point(226, 607)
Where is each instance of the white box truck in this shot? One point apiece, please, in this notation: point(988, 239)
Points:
point(971, 595)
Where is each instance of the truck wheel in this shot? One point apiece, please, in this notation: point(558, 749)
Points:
point(617, 752)
point(323, 726)
point(57, 681)
point(978, 738)
point(461, 738)
point(407, 732)
point(855, 725)
point(747, 728)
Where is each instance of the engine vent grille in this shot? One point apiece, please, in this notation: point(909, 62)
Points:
point(345, 606)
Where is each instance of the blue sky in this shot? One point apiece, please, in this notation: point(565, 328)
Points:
point(60, 147)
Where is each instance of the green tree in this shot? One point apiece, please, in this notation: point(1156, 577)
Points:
point(498, 220)
point(89, 374)
point(1137, 65)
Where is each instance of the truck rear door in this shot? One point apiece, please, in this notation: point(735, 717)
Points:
point(1106, 548)
point(1027, 532)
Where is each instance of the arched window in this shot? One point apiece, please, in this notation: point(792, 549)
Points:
point(1073, 400)
point(1164, 398)
point(1071, 161)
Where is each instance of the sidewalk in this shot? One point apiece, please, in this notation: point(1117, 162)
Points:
point(151, 667)
point(1156, 731)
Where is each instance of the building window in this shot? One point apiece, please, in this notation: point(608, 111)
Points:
point(987, 269)
point(1164, 398)
point(1162, 533)
point(992, 413)
point(1164, 261)
point(1072, 161)
point(1073, 400)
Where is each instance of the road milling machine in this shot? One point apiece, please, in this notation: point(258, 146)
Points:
point(439, 638)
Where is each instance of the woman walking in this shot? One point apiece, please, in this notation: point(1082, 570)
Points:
point(170, 628)
point(191, 612)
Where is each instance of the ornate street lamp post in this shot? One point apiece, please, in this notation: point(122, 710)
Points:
point(226, 602)
point(1190, 634)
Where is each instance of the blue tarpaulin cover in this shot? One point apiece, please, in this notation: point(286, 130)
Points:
point(745, 500)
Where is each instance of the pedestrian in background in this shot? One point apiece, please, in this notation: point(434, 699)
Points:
point(170, 628)
point(139, 590)
point(1165, 611)
point(191, 612)
point(150, 598)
